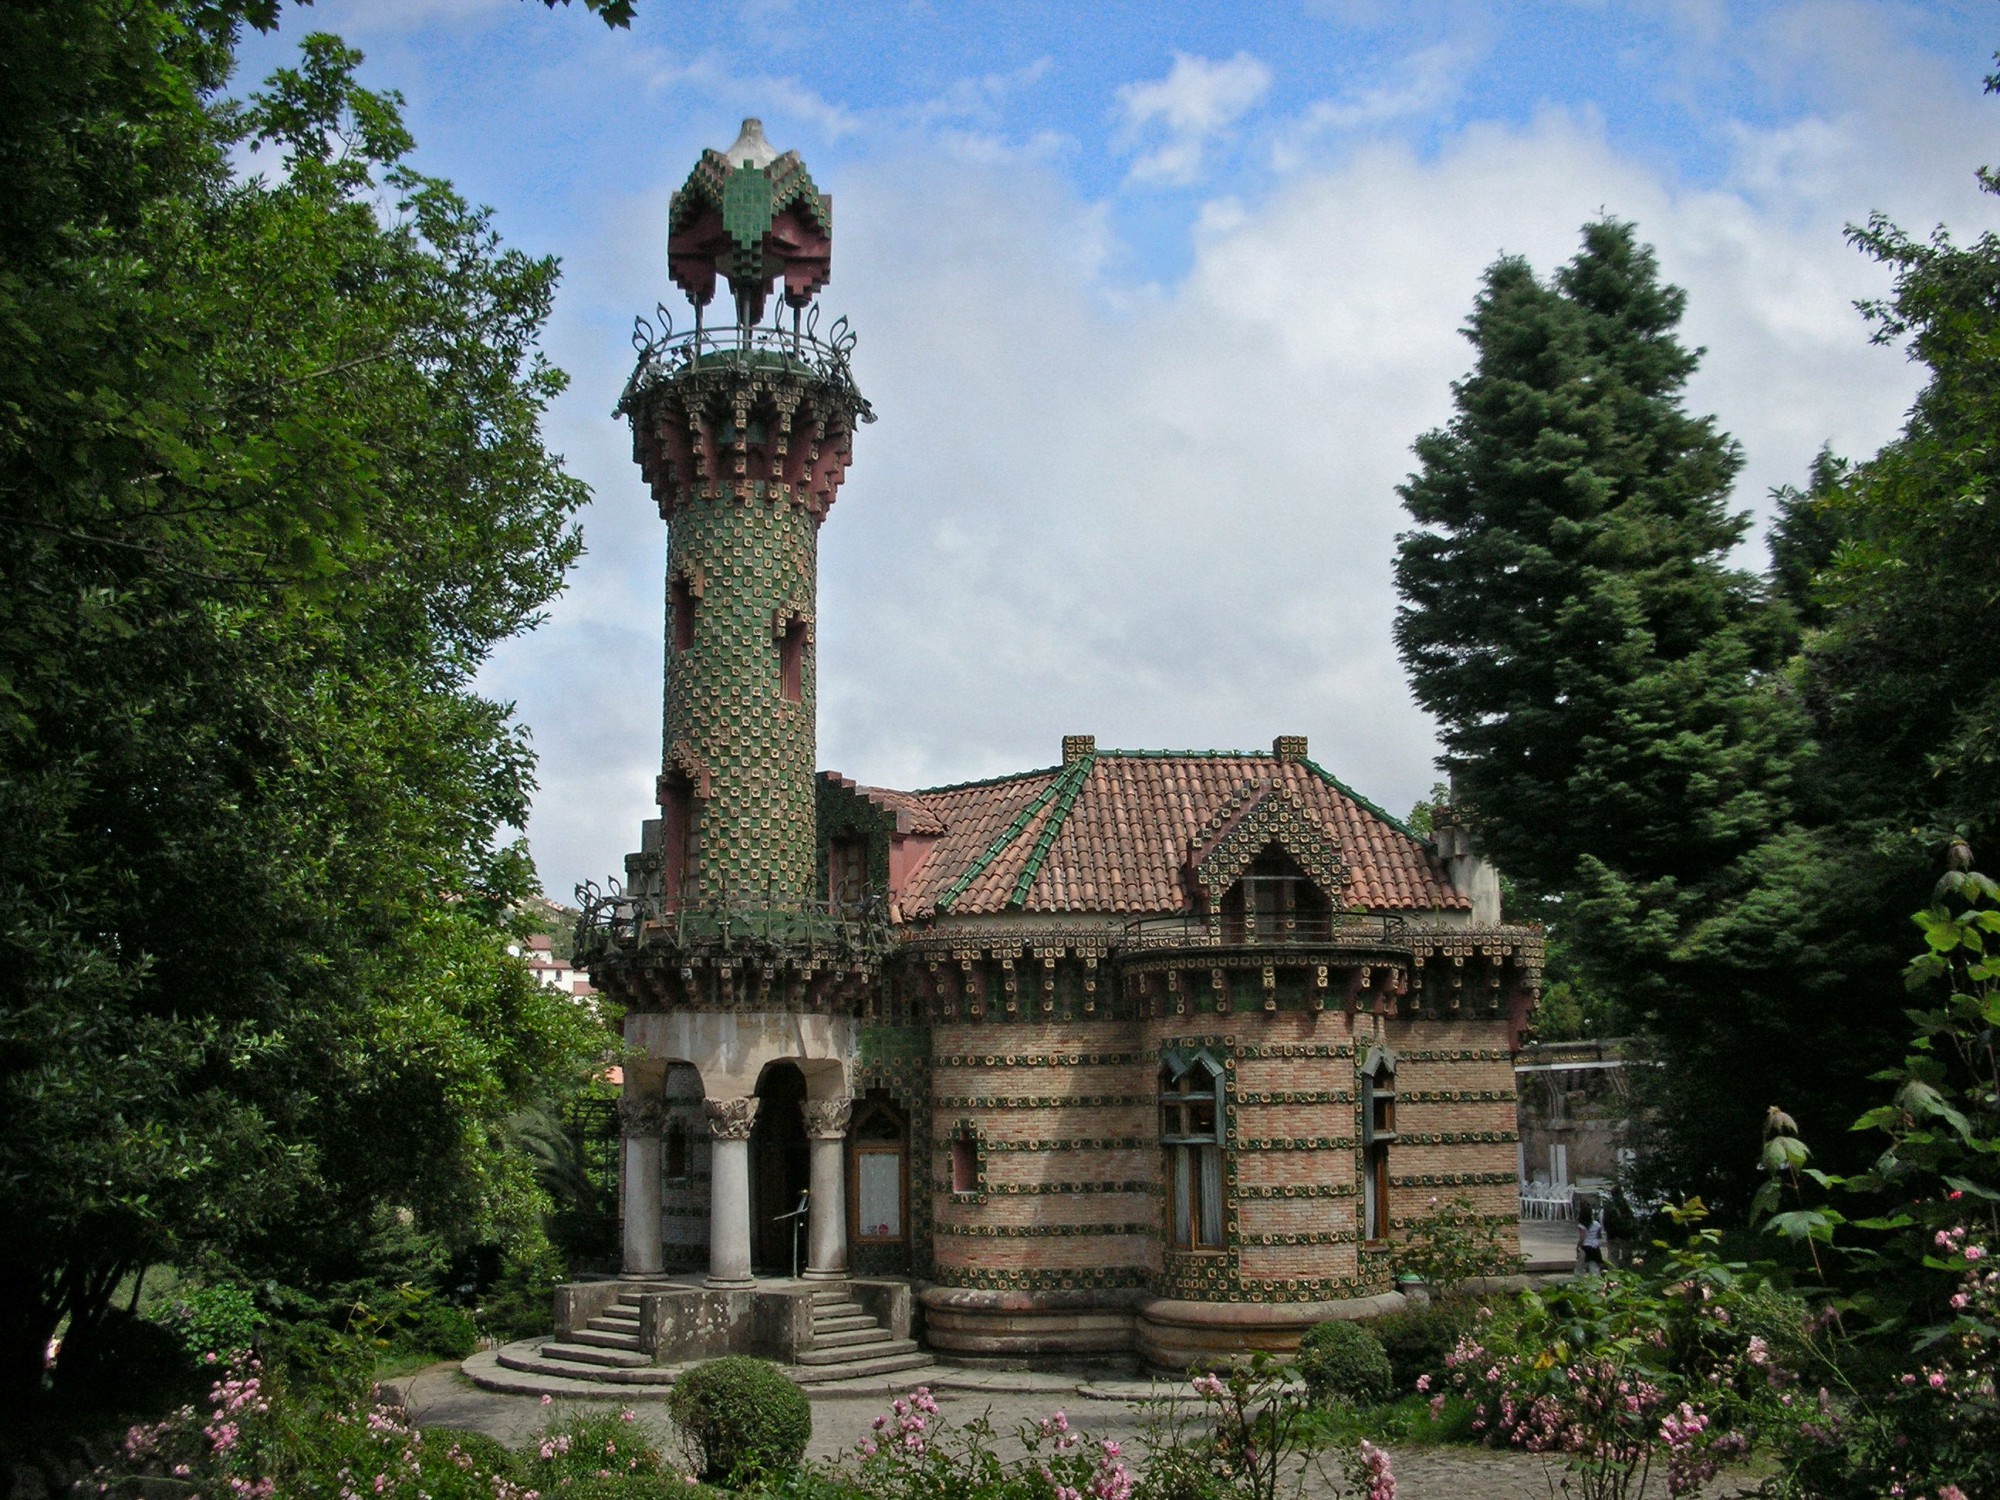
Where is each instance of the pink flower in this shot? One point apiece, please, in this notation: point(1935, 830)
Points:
point(546, 1399)
point(1424, 1381)
point(1975, 1252)
point(1937, 1380)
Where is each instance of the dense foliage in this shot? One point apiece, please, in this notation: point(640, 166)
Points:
point(271, 487)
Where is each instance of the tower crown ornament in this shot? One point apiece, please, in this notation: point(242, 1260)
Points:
point(752, 217)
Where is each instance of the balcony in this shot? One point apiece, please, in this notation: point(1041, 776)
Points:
point(735, 348)
point(1335, 930)
point(619, 926)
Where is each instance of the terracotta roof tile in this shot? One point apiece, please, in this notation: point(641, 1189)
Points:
point(1112, 834)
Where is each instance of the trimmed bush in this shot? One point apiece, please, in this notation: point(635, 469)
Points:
point(1341, 1361)
point(738, 1414)
point(1417, 1339)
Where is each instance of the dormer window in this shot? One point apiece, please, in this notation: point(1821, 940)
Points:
point(1274, 902)
point(1191, 1134)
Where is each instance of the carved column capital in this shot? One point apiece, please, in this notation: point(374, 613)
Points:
point(731, 1119)
point(826, 1119)
point(642, 1116)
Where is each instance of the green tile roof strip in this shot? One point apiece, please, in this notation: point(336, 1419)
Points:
point(1005, 837)
point(1065, 786)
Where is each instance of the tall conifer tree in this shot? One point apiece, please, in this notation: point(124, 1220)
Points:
point(1568, 610)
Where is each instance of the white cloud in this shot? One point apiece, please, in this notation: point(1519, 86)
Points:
point(1426, 83)
point(1195, 103)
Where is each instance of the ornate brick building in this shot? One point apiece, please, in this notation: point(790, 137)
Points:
point(1144, 1051)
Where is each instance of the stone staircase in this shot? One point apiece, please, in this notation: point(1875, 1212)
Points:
point(606, 1350)
point(847, 1344)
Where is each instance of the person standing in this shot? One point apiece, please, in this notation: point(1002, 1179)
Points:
point(1590, 1239)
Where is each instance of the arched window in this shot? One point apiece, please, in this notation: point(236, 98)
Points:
point(1378, 1133)
point(1191, 1133)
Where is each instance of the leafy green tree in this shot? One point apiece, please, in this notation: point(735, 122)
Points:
point(271, 488)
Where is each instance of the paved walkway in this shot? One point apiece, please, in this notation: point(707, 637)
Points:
point(1103, 1407)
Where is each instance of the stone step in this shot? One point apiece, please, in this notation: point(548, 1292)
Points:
point(593, 1354)
point(852, 1353)
point(604, 1324)
point(568, 1370)
point(842, 1322)
point(862, 1369)
point(874, 1333)
point(623, 1312)
point(835, 1293)
point(603, 1339)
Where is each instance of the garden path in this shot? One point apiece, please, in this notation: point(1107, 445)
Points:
point(442, 1397)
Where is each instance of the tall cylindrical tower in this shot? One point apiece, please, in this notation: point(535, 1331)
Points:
point(715, 946)
point(744, 434)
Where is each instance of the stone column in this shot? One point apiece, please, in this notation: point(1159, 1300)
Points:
point(644, 1121)
point(729, 1122)
point(826, 1231)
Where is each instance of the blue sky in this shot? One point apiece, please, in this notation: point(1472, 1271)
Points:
point(1151, 301)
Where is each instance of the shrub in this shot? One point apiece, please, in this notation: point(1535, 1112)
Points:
point(1417, 1339)
point(1344, 1361)
point(639, 1487)
point(481, 1454)
point(1453, 1243)
point(591, 1446)
point(737, 1414)
point(220, 1319)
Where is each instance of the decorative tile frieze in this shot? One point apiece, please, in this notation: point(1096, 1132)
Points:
point(1457, 1096)
point(1457, 1137)
point(1042, 1231)
point(1453, 1179)
point(977, 1279)
point(1043, 1101)
point(1096, 1143)
point(1039, 1060)
point(1052, 1189)
point(1295, 1143)
point(1302, 1237)
point(1295, 1096)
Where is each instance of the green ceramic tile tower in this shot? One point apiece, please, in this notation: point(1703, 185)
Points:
point(744, 432)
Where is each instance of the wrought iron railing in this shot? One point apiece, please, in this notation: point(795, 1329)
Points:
point(615, 919)
point(1225, 931)
point(665, 354)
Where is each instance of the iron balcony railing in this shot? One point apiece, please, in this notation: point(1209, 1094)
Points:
point(1335, 930)
point(617, 919)
point(665, 354)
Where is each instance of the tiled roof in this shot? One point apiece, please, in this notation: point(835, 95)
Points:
point(1112, 832)
point(913, 814)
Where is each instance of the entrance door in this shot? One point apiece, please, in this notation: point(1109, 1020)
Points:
point(780, 1169)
